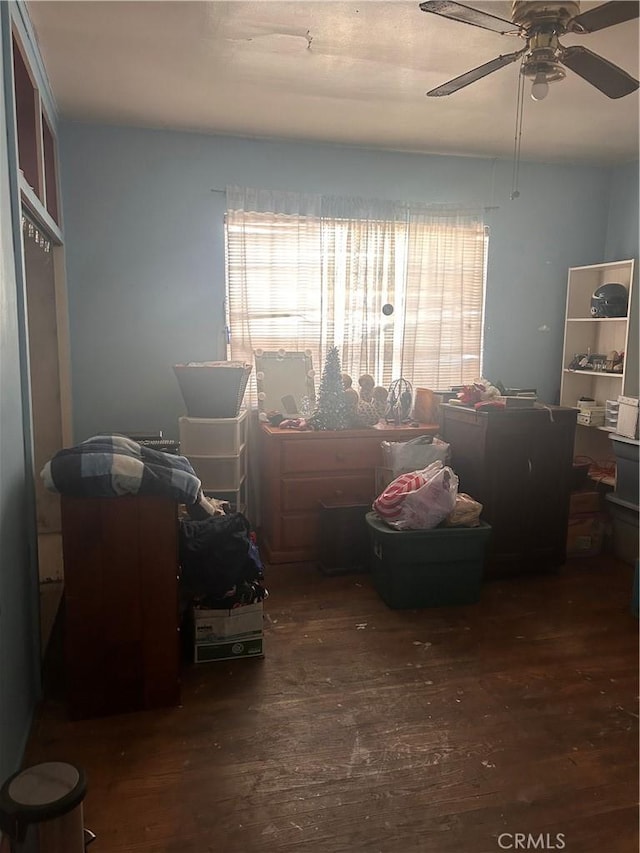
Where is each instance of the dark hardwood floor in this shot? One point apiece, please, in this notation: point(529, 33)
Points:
point(368, 729)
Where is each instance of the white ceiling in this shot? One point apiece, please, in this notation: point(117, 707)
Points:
point(353, 73)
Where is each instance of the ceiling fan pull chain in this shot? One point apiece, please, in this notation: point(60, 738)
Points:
point(515, 192)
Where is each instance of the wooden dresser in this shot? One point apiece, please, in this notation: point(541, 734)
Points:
point(518, 464)
point(300, 469)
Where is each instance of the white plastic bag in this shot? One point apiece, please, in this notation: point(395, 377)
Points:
point(415, 455)
point(419, 500)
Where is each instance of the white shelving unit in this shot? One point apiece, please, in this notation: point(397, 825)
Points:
point(217, 449)
point(585, 334)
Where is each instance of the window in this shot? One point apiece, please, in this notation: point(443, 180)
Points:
point(309, 280)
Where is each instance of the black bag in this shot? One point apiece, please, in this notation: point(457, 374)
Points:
point(218, 556)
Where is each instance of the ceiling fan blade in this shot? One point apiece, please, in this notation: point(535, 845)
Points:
point(605, 16)
point(604, 75)
point(475, 74)
point(467, 15)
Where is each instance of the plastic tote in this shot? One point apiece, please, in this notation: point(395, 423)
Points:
point(440, 567)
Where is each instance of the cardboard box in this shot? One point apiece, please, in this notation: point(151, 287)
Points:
point(226, 634)
point(592, 417)
point(519, 402)
point(585, 534)
point(212, 626)
point(251, 647)
point(584, 501)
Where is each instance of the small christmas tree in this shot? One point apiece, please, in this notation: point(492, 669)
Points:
point(332, 411)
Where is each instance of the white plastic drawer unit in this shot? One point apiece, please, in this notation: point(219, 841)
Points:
point(236, 497)
point(213, 436)
point(223, 473)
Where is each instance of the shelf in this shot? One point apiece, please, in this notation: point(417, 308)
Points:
point(41, 216)
point(585, 334)
point(596, 319)
point(593, 373)
point(37, 145)
point(607, 481)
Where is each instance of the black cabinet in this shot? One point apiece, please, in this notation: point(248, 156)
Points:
point(518, 463)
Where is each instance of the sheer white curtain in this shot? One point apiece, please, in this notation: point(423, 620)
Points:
point(308, 272)
point(445, 289)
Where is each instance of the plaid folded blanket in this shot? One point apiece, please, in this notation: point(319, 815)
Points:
point(113, 465)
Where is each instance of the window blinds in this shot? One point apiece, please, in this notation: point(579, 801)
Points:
point(307, 281)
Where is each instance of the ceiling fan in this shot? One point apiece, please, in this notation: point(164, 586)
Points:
point(541, 24)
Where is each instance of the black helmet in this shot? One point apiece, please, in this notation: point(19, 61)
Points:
point(610, 300)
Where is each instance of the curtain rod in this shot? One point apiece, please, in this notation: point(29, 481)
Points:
point(484, 207)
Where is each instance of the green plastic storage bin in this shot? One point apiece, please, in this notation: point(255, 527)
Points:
point(427, 568)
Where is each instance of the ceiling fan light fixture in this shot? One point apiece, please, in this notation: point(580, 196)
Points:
point(540, 87)
point(542, 70)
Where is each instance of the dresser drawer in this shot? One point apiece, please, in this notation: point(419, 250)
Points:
point(346, 454)
point(305, 493)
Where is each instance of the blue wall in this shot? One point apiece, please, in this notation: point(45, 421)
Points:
point(623, 237)
point(622, 229)
point(145, 252)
